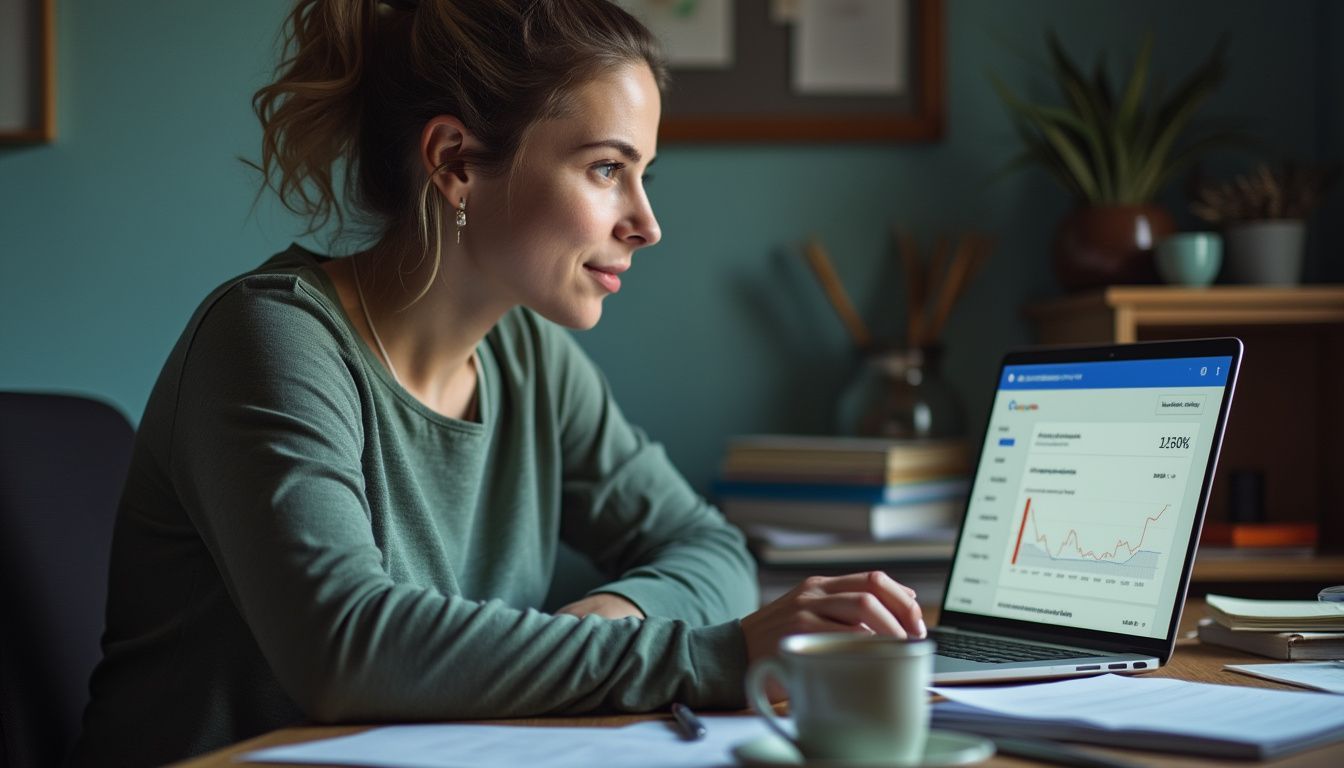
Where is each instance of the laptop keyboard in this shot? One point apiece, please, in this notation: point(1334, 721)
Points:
point(995, 650)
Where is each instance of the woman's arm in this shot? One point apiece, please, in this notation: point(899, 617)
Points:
point(672, 554)
point(266, 458)
point(627, 508)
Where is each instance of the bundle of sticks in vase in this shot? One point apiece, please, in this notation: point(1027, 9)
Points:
point(933, 285)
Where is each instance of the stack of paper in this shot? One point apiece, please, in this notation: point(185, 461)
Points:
point(653, 744)
point(1276, 615)
point(1292, 646)
point(1150, 713)
point(1325, 676)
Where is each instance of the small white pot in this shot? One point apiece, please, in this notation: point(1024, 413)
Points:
point(1267, 252)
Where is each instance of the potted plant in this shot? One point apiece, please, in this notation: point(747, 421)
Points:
point(1263, 215)
point(1113, 149)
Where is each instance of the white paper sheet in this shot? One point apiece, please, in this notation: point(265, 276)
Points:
point(1272, 609)
point(851, 47)
point(695, 34)
point(1322, 675)
point(1159, 705)
point(653, 744)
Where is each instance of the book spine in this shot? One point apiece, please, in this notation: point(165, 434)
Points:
point(906, 493)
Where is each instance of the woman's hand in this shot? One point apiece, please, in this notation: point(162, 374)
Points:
point(603, 604)
point(862, 602)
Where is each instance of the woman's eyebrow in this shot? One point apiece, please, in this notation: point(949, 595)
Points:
point(625, 148)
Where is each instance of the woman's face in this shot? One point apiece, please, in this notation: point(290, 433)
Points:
point(557, 234)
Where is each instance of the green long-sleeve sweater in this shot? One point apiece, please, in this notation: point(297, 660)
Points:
point(299, 538)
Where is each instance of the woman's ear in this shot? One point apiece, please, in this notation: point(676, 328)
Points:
point(444, 144)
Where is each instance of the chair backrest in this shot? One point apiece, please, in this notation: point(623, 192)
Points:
point(63, 462)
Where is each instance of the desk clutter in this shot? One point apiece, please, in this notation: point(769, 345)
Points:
point(1241, 614)
point(1149, 713)
point(1309, 633)
point(1146, 713)
point(828, 500)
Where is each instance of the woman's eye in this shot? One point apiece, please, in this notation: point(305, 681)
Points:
point(608, 170)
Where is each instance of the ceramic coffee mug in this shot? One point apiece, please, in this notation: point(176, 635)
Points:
point(1190, 258)
point(856, 698)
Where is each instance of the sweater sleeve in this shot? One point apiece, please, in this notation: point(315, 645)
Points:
point(629, 510)
point(266, 457)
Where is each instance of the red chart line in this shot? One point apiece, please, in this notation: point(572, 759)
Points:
point(1020, 529)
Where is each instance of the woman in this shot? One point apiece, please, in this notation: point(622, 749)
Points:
point(352, 475)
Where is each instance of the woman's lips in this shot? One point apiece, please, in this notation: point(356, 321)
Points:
point(608, 277)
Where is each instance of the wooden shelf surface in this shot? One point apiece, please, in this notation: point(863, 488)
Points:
point(1245, 301)
point(1118, 312)
point(1250, 568)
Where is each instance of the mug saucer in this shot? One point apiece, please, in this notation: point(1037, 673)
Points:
point(944, 748)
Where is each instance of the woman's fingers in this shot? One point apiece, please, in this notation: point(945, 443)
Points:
point(859, 609)
point(898, 600)
point(861, 602)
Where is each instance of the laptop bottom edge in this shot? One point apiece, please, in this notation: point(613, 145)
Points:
point(949, 671)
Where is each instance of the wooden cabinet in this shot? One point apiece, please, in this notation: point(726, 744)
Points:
point(1287, 418)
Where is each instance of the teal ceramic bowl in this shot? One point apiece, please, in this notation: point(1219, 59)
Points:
point(1190, 258)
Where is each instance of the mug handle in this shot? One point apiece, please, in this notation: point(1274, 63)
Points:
point(757, 677)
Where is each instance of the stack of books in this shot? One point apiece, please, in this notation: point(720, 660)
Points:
point(827, 500)
point(1260, 538)
point(1280, 629)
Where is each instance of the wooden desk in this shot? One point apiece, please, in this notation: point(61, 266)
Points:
point(1192, 661)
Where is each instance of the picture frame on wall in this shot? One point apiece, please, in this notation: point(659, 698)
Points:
point(801, 70)
point(27, 71)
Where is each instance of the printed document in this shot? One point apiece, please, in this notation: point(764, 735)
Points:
point(1158, 713)
point(652, 744)
point(1325, 676)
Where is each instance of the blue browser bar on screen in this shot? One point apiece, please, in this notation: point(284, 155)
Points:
point(1119, 374)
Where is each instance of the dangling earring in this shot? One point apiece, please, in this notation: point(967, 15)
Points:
point(461, 218)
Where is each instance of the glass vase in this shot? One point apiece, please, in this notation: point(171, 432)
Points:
point(901, 394)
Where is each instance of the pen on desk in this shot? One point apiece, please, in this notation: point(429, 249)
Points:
point(1058, 754)
point(691, 727)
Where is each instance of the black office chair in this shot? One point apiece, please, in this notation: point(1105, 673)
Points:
point(63, 461)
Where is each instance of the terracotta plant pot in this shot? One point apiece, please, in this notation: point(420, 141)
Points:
point(1101, 245)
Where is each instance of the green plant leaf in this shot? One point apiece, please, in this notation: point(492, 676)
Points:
point(1147, 120)
point(1121, 149)
point(1054, 166)
point(1101, 88)
point(1031, 129)
point(1204, 78)
point(1106, 150)
point(1070, 79)
point(1188, 154)
point(1127, 131)
point(1074, 161)
point(1091, 101)
point(1138, 78)
point(1044, 155)
point(1029, 158)
point(1148, 181)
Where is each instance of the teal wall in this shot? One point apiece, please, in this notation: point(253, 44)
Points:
point(110, 236)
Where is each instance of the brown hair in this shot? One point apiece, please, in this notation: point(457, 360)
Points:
point(360, 78)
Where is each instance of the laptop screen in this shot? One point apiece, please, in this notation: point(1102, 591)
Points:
point(1087, 491)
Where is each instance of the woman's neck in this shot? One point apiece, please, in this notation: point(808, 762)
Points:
point(429, 341)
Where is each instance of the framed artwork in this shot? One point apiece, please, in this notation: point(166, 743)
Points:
point(800, 70)
point(27, 71)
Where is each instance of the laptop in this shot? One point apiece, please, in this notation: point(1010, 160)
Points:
point(1085, 508)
